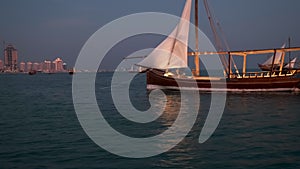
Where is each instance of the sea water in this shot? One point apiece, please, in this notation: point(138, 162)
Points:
point(39, 128)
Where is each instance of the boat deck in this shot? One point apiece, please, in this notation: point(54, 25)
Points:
point(248, 75)
point(206, 78)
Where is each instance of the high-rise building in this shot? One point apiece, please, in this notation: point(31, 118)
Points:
point(22, 67)
point(35, 66)
point(29, 66)
point(58, 65)
point(1, 65)
point(47, 66)
point(10, 58)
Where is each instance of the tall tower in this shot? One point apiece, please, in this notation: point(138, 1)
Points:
point(47, 66)
point(29, 66)
point(58, 63)
point(10, 58)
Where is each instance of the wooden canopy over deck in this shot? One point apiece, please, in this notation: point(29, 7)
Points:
point(245, 53)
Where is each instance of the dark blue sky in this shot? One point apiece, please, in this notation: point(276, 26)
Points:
point(46, 29)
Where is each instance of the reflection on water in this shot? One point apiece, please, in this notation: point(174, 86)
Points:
point(257, 129)
point(174, 104)
point(178, 117)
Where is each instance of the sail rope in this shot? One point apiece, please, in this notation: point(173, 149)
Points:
point(218, 39)
point(178, 29)
point(227, 46)
point(173, 47)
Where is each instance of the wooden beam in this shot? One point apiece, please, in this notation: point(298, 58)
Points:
point(272, 67)
point(229, 65)
point(244, 65)
point(196, 58)
point(248, 52)
point(282, 62)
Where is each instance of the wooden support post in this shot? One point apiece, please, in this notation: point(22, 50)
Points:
point(196, 58)
point(245, 65)
point(289, 53)
point(282, 62)
point(272, 67)
point(229, 65)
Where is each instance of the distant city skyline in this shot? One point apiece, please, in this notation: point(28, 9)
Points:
point(11, 63)
point(42, 29)
point(58, 65)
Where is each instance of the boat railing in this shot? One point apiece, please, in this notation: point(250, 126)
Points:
point(263, 74)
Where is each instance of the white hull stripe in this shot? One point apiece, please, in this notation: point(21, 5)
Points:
point(153, 87)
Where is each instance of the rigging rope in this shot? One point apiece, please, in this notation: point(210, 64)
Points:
point(227, 46)
point(217, 38)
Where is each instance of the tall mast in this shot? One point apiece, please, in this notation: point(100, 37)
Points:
point(289, 53)
point(196, 59)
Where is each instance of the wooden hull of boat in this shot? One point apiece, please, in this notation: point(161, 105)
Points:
point(156, 79)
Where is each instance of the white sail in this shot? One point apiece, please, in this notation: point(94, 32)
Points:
point(172, 52)
point(291, 65)
point(277, 58)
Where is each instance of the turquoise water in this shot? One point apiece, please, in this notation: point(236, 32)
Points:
point(39, 128)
